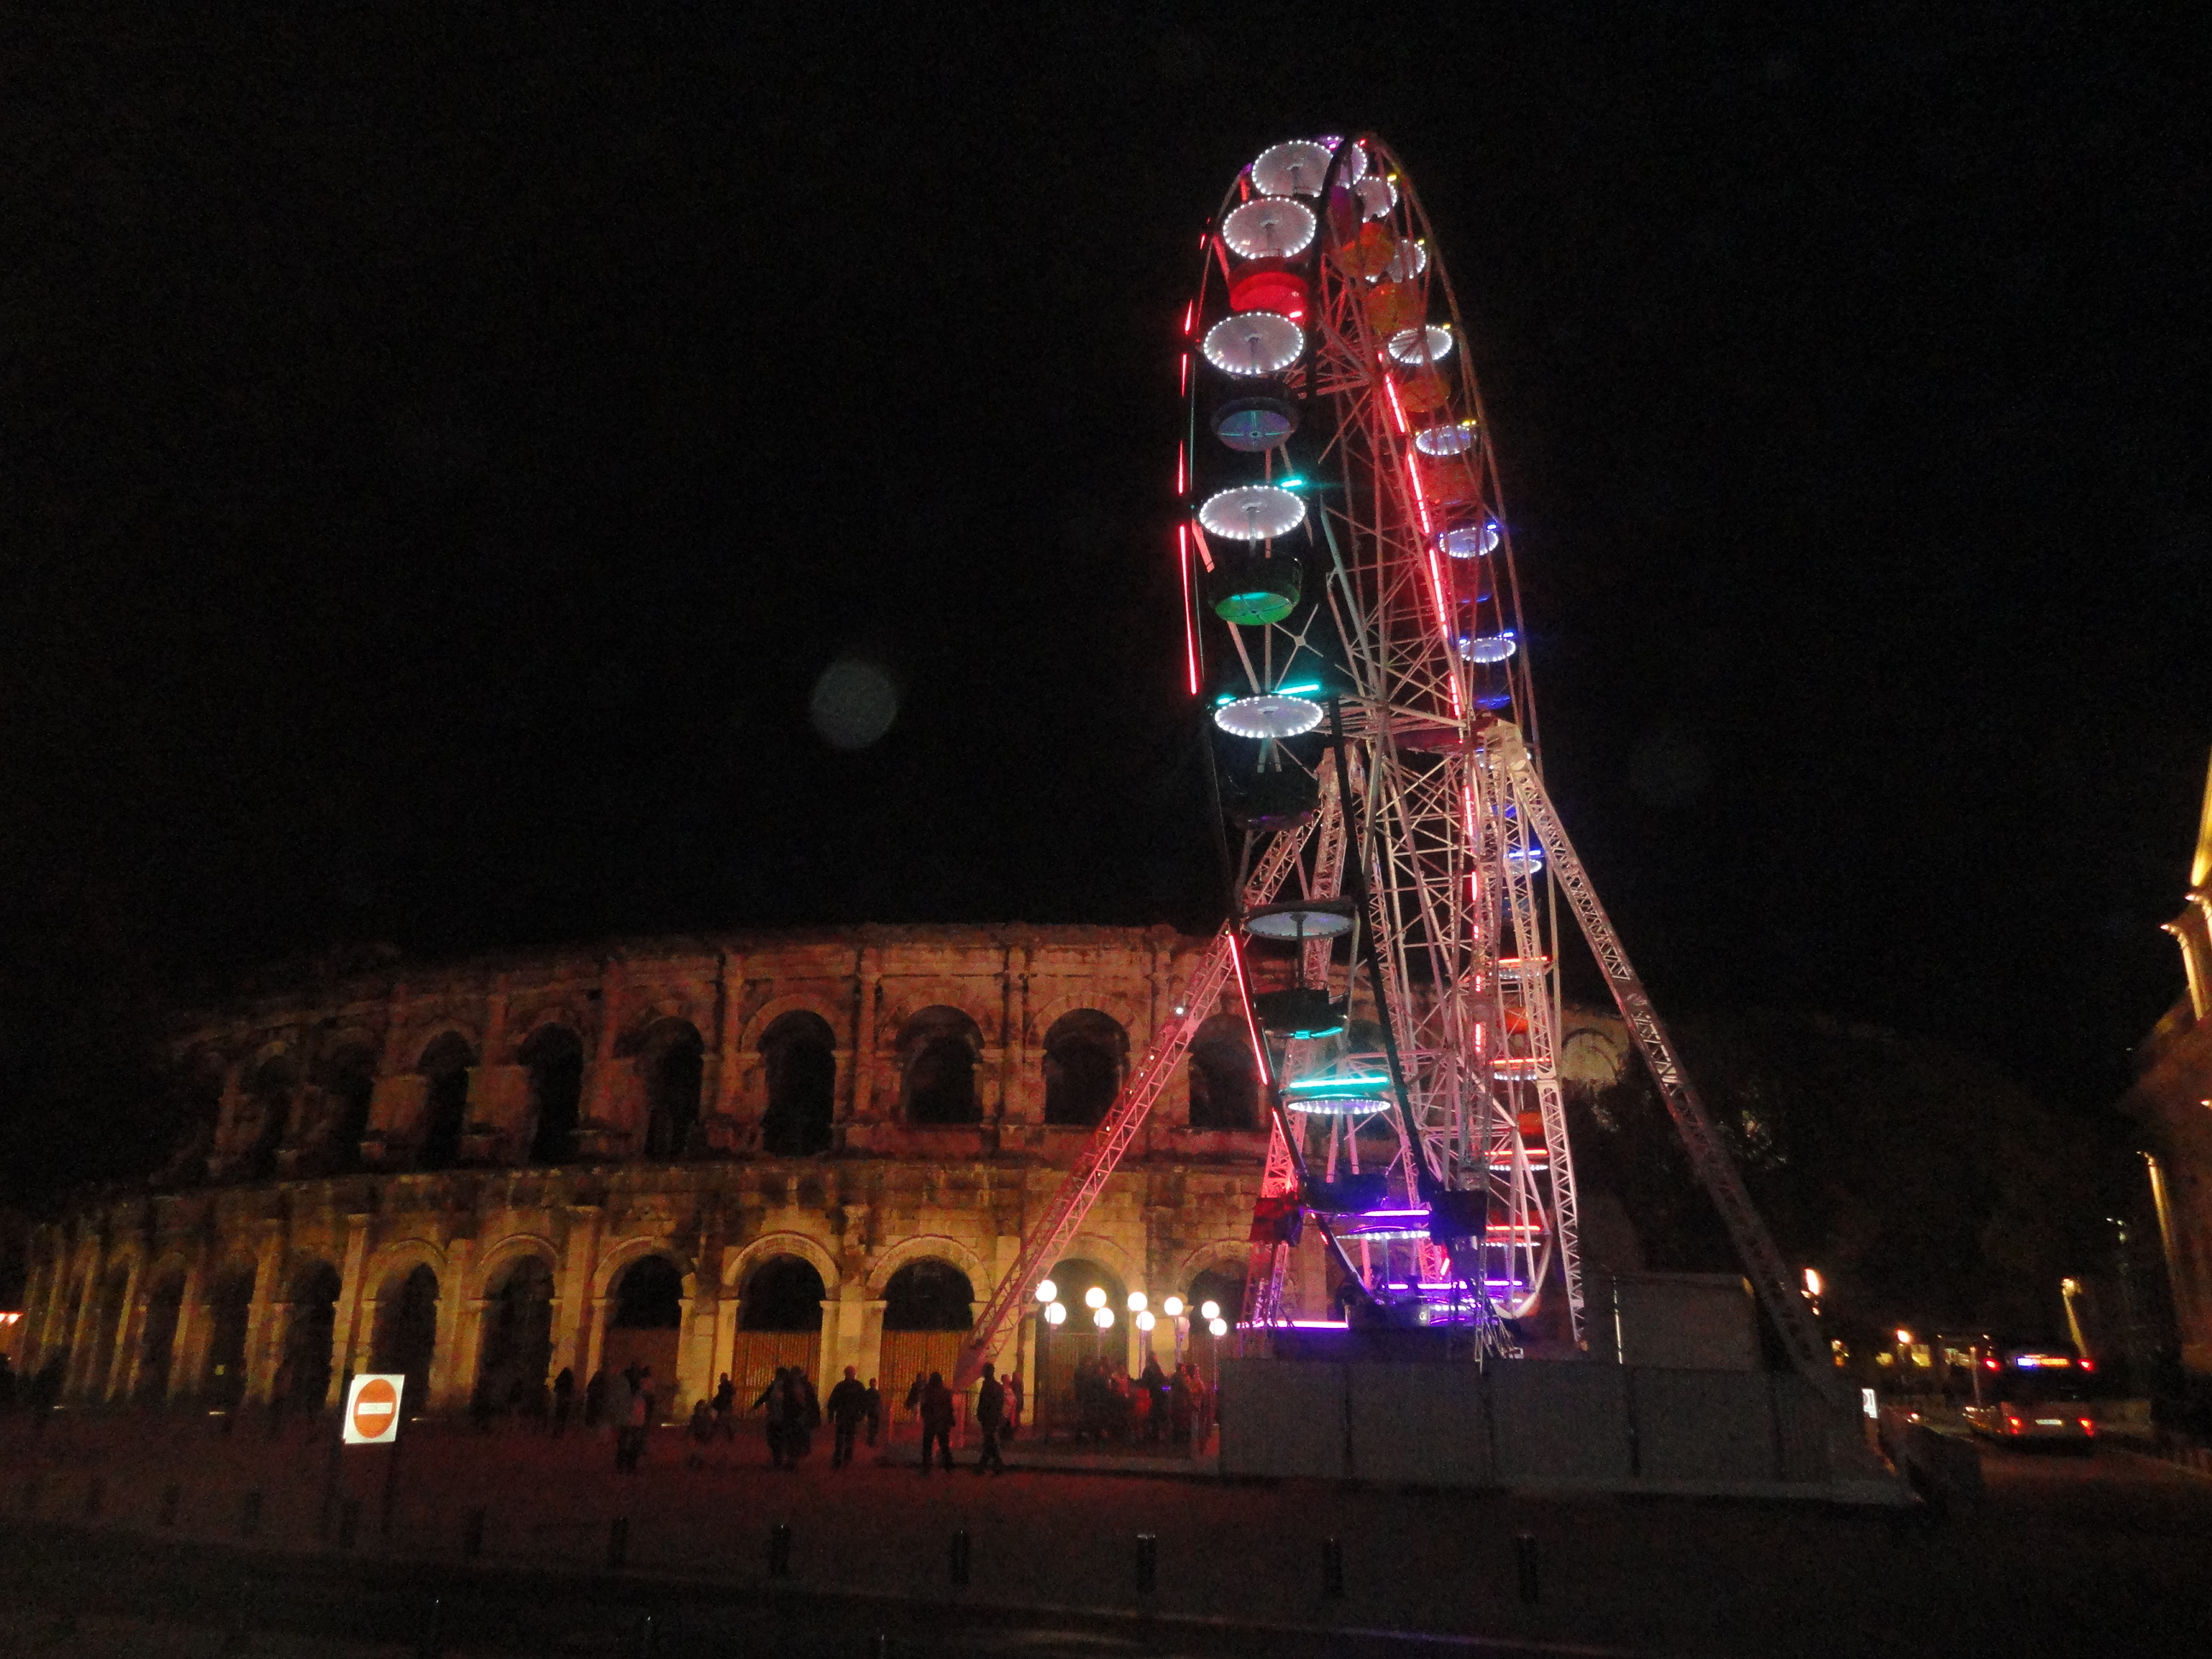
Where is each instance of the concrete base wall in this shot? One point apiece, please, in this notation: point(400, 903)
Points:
point(1536, 1425)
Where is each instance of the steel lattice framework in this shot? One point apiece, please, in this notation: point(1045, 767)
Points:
point(1354, 625)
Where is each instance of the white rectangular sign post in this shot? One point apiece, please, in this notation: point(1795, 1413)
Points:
point(371, 1410)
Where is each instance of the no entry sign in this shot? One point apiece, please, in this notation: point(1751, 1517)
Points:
point(371, 1410)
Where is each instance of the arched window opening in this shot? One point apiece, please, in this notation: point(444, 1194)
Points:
point(673, 1059)
point(1085, 1055)
point(157, 1344)
point(269, 1096)
point(1077, 1345)
point(406, 1334)
point(518, 1339)
point(1225, 1085)
point(349, 1083)
point(1225, 1286)
point(930, 1295)
point(784, 1293)
point(303, 1380)
point(445, 1063)
point(554, 1057)
point(799, 1053)
point(650, 1297)
point(229, 1309)
point(938, 1048)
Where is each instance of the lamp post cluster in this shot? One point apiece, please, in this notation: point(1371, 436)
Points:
point(1054, 1311)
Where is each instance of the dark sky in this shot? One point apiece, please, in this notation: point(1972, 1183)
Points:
point(440, 457)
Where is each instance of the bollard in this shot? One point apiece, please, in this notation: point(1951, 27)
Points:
point(1148, 1562)
point(349, 1522)
point(960, 1555)
point(1332, 1569)
point(93, 1493)
point(779, 1551)
point(618, 1542)
point(249, 1514)
point(171, 1495)
point(647, 1633)
point(1524, 1560)
point(428, 1646)
point(473, 1531)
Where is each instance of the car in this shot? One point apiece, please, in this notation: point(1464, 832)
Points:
point(2035, 1397)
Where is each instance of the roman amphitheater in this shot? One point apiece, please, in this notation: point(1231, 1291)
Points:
point(708, 1155)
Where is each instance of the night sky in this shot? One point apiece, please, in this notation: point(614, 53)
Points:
point(440, 458)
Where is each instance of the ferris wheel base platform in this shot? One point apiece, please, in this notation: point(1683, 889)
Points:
point(1556, 1427)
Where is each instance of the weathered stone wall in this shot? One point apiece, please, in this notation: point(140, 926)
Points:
point(270, 1184)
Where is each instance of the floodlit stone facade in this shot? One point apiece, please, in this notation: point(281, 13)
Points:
point(2172, 1096)
point(457, 1172)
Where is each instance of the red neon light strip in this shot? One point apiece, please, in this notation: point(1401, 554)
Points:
point(1251, 1025)
point(1190, 311)
point(1397, 410)
point(1189, 615)
point(1185, 387)
point(1182, 460)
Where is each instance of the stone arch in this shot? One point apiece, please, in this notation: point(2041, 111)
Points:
point(111, 1314)
point(959, 995)
point(923, 1248)
point(229, 1306)
point(272, 1082)
point(1097, 1247)
point(501, 1258)
point(406, 1333)
point(1225, 1080)
point(671, 1065)
point(776, 1293)
point(940, 1050)
point(799, 1002)
point(346, 1074)
point(445, 1062)
point(799, 1055)
point(390, 1262)
point(930, 1293)
point(553, 1055)
point(157, 1337)
point(737, 1267)
point(618, 1259)
point(1227, 1254)
point(310, 1335)
point(1127, 1011)
point(1085, 1061)
point(515, 1329)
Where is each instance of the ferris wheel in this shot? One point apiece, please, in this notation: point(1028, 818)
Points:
point(1354, 633)
point(1352, 617)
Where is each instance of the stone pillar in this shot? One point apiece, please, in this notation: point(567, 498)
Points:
point(726, 1340)
point(861, 1109)
point(121, 1365)
point(40, 1295)
point(868, 1350)
point(1015, 1103)
point(86, 1274)
point(597, 1343)
point(448, 1386)
point(348, 1332)
point(574, 1333)
point(695, 1349)
point(188, 1348)
point(264, 1316)
point(468, 1349)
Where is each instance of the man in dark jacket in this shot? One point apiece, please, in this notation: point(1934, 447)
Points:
point(875, 1411)
point(990, 1417)
point(936, 1421)
point(848, 1405)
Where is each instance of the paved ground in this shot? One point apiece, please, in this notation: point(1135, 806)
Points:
point(2063, 1556)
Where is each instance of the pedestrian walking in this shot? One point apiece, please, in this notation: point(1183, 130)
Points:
point(595, 1399)
point(631, 1447)
point(1183, 1410)
point(806, 1415)
point(848, 1405)
point(990, 1417)
point(775, 1402)
point(703, 1434)
point(1013, 1403)
point(564, 1396)
point(936, 1410)
point(914, 1394)
point(1154, 1383)
point(726, 1401)
point(616, 1417)
point(875, 1410)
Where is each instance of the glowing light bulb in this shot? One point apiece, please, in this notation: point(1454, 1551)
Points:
point(1046, 1290)
point(1103, 1319)
point(1056, 1314)
point(1145, 1321)
point(1094, 1297)
point(1209, 1310)
point(1219, 1326)
point(1138, 1301)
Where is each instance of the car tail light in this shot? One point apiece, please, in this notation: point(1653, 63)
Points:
point(2089, 1426)
point(2011, 1426)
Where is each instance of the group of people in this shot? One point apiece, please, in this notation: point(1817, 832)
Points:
point(1152, 1408)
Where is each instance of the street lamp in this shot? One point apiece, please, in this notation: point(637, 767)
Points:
point(1217, 1325)
point(1094, 1297)
point(1145, 1321)
point(1046, 1290)
point(1210, 1312)
point(1172, 1307)
point(1137, 1301)
point(1055, 1313)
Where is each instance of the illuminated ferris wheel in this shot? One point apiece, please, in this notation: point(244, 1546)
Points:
point(1354, 629)
point(1352, 618)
